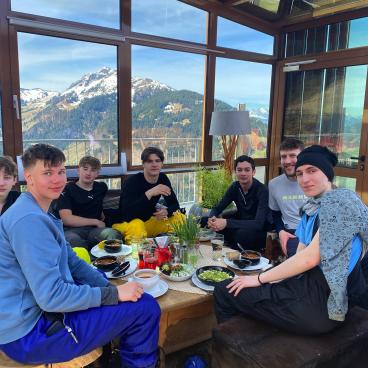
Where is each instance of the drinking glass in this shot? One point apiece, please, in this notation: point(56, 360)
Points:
point(193, 256)
point(150, 257)
point(217, 243)
point(135, 243)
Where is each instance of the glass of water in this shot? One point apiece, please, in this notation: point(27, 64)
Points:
point(217, 243)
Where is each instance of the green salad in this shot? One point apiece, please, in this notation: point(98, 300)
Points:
point(176, 270)
point(214, 275)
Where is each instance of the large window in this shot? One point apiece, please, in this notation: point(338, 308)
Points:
point(331, 37)
point(244, 83)
point(68, 92)
point(167, 103)
point(325, 107)
point(83, 11)
point(169, 18)
point(237, 36)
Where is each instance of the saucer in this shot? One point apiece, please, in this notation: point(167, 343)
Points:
point(160, 289)
point(97, 252)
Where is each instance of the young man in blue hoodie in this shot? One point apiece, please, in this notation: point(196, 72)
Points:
point(53, 299)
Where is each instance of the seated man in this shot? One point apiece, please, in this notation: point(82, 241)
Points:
point(8, 178)
point(53, 306)
point(80, 207)
point(141, 213)
point(249, 225)
point(286, 197)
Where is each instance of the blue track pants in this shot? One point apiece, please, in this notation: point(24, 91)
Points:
point(136, 323)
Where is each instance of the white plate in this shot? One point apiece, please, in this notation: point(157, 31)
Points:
point(200, 284)
point(176, 278)
point(160, 289)
point(97, 252)
point(132, 267)
point(263, 263)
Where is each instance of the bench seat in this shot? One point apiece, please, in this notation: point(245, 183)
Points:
point(249, 343)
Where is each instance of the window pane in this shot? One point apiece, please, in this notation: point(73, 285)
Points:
point(237, 36)
point(167, 100)
point(326, 107)
point(343, 182)
point(69, 96)
point(241, 82)
point(332, 37)
point(169, 18)
point(185, 188)
point(83, 11)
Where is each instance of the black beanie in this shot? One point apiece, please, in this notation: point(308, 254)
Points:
point(320, 157)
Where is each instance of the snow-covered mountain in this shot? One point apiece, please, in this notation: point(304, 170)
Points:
point(101, 83)
point(36, 96)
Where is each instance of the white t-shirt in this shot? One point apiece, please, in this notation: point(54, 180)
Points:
point(285, 195)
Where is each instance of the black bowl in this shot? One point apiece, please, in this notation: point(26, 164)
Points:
point(252, 256)
point(106, 263)
point(215, 268)
point(242, 263)
point(113, 246)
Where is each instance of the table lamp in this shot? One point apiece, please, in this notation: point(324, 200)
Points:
point(229, 125)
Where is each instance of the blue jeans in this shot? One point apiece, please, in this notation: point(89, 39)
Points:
point(136, 323)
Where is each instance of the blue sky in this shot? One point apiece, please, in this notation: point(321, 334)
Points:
point(53, 63)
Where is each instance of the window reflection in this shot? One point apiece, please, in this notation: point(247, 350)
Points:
point(68, 92)
point(167, 103)
point(326, 107)
point(344, 182)
point(242, 84)
point(331, 37)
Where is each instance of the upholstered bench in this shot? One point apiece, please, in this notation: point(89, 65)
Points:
point(78, 362)
point(244, 342)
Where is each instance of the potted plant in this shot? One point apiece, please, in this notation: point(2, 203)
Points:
point(187, 232)
point(212, 185)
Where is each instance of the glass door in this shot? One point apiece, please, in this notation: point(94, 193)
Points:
point(329, 107)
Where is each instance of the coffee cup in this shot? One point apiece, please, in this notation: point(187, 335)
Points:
point(147, 278)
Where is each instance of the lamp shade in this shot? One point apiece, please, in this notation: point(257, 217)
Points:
point(230, 123)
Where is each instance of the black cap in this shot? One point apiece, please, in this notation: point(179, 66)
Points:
point(320, 157)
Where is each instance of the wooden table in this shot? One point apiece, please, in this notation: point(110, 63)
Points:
point(186, 319)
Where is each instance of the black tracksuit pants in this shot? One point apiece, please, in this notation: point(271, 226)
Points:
point(297, 304)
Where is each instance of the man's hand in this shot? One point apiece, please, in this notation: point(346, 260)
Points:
point(161, 214)
point(284, 236)
point(158, 190)
point(99, 223)
point(216, 224)
point(130, 292)
point(241, 283)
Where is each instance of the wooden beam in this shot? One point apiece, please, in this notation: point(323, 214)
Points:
point(223, 10)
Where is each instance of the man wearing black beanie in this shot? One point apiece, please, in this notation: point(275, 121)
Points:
point(320, 157)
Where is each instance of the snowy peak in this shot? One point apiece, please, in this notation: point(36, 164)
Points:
point(102, 82)
point(36, 96)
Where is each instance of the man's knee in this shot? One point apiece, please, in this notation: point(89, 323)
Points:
point(75, 240)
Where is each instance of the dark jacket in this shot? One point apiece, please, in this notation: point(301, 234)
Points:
point(252, 206)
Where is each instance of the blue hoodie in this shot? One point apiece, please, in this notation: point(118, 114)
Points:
point(39, 271)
